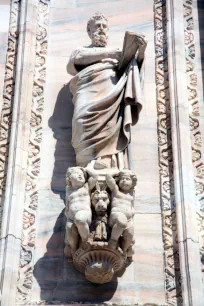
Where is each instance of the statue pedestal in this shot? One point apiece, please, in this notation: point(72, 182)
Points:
point(98, 262)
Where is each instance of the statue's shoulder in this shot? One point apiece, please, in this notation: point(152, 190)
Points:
point(71, 68)
point(90, 49)
point(78, 50)
point(81, 49)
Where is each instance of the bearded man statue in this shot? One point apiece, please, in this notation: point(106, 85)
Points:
point(107, 101)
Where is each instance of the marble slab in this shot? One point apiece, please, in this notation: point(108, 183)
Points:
point(4, 29)
point(59, 280)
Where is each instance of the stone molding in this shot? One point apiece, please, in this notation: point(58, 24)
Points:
point(24, 147)
point(25, 280)
point(57, 303)
point(20, 130)
point(8, 96)
point(182, 158)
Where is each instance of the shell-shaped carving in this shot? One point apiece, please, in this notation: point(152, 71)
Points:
point(99, 272)
point(99, 263)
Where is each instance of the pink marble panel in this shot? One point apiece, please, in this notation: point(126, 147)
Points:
point(54, 278)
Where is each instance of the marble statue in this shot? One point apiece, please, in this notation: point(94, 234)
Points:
point(78, 205)
point(107, 97)
point(107, 100)
point(122, 208)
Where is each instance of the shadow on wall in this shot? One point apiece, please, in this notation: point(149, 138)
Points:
point(58, 279)
point(61, 125)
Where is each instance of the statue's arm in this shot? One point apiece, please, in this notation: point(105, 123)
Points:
point(88, 56)
point(111, 183)
point(67, 201)
point(93, 178)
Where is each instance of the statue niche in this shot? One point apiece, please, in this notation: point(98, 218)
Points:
point(107, 97)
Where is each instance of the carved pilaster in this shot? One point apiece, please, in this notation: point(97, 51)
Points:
point(33, 166)
point(8, 95)
point(17, 243)
point(185, 200)
point(194, 117)
point(171, 255)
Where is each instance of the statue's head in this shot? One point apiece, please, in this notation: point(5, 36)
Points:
point(76, 177)
point(127, 180)
point(97, 29)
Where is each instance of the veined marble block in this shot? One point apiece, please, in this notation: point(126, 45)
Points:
point(36, 39)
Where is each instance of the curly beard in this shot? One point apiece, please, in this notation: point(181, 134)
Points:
point(99, 40)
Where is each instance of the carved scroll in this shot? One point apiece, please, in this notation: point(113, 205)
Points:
point(8, 94)
point(171, 255)
point(194, 117)
point(31, 201)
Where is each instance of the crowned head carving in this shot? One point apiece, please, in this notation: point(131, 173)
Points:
point(97, 29)
point(76, 177)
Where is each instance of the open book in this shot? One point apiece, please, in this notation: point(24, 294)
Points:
point(130, 47)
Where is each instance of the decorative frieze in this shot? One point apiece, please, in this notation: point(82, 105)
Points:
point(33, 167)
point(171, 255)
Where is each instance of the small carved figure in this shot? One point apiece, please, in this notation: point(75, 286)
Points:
point(101, 222)
point(78, 206)
point(122, 209)
point(100, 200)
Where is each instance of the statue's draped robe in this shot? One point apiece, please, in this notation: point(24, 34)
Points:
point(106, 105)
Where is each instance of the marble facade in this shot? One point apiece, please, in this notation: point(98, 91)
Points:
point(36, 39)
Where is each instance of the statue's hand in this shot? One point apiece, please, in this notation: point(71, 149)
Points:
point(110, 60)
point(115, 54)
point(142, 46)
point(142, 42)
point(118, 54)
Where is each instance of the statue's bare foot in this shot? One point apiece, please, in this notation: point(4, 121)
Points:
point(104, 236)
point(129, 260)
point(130, 252)
point(97, 237)
point(113, 243)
